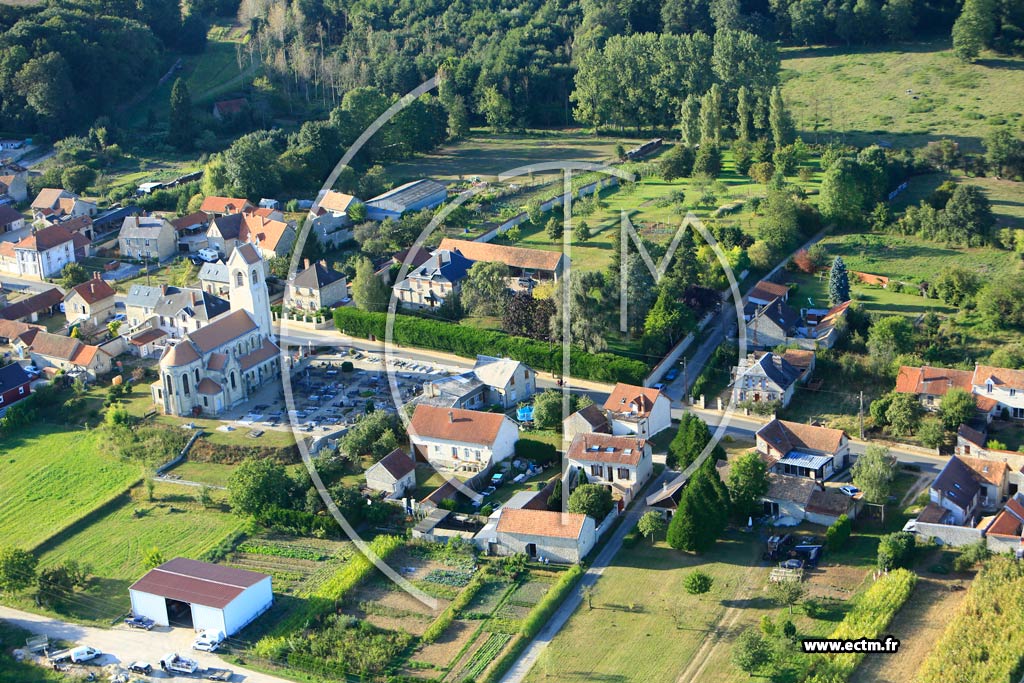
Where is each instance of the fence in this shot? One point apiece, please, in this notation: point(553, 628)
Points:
point(954, 536)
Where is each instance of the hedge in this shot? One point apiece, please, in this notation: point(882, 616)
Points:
point(984, 640)
point(868, 619)
point(444, 620)
point(538, 616)
point(534, 449)
point(469, 342)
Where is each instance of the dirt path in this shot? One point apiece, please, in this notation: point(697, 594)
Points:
point(917, 626)
point(723, 629)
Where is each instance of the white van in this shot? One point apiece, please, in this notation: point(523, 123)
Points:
point(84, 654)
point(208, 641)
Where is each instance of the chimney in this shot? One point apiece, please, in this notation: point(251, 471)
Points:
point(305, 263)
point(664, 486)
point(92, 287)
point(163, 289)
point(323, 262)
point(451, 417)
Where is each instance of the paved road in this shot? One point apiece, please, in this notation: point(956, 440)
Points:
point(529, 656)
point(124, 645)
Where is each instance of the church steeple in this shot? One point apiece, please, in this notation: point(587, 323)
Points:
point(247, 286)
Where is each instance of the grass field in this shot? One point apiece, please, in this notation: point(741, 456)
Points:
point(114, 545)
point(861, 95)
point(1006, 196)
point(21, 672)
point(486, 155)
point(912, 259)
point(52, 478)
point(812, 291)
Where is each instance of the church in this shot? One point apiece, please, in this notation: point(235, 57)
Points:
point(220, 364)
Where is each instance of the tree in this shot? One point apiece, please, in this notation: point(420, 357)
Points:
point(496, 109)
point(152, 558)
point(903, 414)
point(744, 115)
point(898, 19)
point(593, 500)
point(895, 550)
point(702, 512)
point(761, 172)
point(888, 338)
point(690, 439)
point(369, 291)
point(779, 120)
point(251, 165)
point(17, 569)
point(581, 232)
point(547, 409)
point(711, 116)
point(689, 123)
point(114, 328)
point(1004, 152)
point(651, 524)
point(676, 163)
point(259, 484)
point(554, 228)
point(873, 473)
point(1001, 302)
point(931, 433)
point(968, 216)
point(838, 533)
point(76, 178)
point(708, 163)
point(974, 28)
point(73, 274)
point(956, 408)
point(748, 483)
point(751, 651)
point(181, 125)
point(484, 291)
point(697, 582)
point(838, 282)
point(842, 192)
point(787, 593)
point(956, 285)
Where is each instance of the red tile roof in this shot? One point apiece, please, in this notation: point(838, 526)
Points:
point(786, 436)
point(455, 424)
point(628, 398)
point(614, 450)
point(92, 290)
point(45, 238)
point(397, 463)
point(516, 257)
point(767, 291)
point(225, 205)
point(541, 523)
point(931, 380)
point(1000, 377)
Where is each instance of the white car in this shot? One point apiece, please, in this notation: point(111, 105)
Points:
point(849, 490)
point(84, 654)
point(209, 255)
point(208, 641)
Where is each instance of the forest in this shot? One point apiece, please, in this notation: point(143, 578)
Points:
point(508, 64)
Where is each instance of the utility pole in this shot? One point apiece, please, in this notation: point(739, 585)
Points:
point(686, 387)
point(860, 415)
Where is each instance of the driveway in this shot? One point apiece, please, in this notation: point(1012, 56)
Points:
point(124, 645)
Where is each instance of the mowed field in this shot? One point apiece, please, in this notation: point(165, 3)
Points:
point(908, 96)
point(50, 479)
point(487, 155)
point(644, 626)
point(1006, 196)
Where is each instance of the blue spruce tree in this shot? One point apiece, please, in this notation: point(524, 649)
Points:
point(838, 282)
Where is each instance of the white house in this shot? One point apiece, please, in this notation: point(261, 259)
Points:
point(10, 220)
point(964, 488)
point(638, 410)
point(622, 463)
point(45, 252)
point(457, 440)
point(1003, 386)
point(803, 450)
point(203, 596)
point(147, 237)
point(438, 278)
point(394, 474)
point(508, 381)
point(329, 217)
point(54, 202)
point(560, 537)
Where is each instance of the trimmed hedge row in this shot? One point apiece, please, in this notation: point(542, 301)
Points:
point(469, 341)
point(868, 619)
point(444, 620)
point(534, 621)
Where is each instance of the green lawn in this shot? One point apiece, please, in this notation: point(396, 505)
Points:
point(643, 625)
point(860, 95)
point(913, 259)
point(812, 291)
point(486, 155)
point(213, 473)
point(22, 672)
point(114, 546)
point(52, 478)
point(1006, 196)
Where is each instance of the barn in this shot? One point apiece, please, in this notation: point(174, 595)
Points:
point(200, 595)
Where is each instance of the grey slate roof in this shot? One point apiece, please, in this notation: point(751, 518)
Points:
point(777, 369)
point(145, 227)
point(195, 302)
point(403, 196)
point(316, 276)
point(957, 482)
point(781, 314)
point(214, 272)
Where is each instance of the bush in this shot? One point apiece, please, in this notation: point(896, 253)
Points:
point(839, 533)
point(468, 342)
point(895, 550)
point(972, 555)
point(868, 618)
point(697, 582)
point(534, 449)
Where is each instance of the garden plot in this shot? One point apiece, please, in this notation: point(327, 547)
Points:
point(297, 565)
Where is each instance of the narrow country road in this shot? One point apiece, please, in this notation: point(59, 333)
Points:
point(124, 645)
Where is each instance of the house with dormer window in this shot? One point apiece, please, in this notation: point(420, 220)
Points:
point(622, 463)
point(638, 410)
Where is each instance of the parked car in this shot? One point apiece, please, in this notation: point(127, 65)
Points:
point(208, 641)
point(209, 255)
point(849, 490)
point(32, 370)
point(671, 374)
point(84, 654)
point(143, 668)
point(139, 622)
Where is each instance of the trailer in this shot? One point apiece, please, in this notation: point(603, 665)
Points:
point(176, 664)
point(218, 674)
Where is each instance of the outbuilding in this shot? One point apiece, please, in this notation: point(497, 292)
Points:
point(203, 596)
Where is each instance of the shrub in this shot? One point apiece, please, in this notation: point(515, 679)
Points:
point(534, 449)
point(972, 555)
point(895, 550)
point(839, 533)
point(697, 582)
